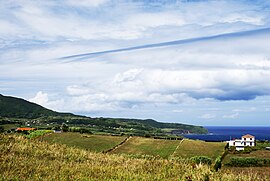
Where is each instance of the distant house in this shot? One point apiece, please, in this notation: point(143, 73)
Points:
point(25, 129)
point(240, 144)
point(57, 131)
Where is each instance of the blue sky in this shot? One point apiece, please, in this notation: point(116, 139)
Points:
point(196, 62)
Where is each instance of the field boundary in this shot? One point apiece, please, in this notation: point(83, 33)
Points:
point(117, 146)
point(177, 147)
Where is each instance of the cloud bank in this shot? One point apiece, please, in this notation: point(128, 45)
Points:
point(158, 59)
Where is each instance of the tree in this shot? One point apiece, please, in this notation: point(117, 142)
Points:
point(2, 129)
point(64, 127)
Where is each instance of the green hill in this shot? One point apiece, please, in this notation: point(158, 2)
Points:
point(19, 108)
point(22, 111)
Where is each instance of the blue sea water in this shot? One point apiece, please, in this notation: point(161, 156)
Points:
point(225, 133)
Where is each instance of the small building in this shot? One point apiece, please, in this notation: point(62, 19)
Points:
point(240, 144)
point(57, 131)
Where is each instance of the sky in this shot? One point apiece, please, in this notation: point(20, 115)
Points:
point(201, 62)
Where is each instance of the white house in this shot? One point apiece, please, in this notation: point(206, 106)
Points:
point(240, 144)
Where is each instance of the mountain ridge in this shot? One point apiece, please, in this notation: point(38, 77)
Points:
point(27, 112)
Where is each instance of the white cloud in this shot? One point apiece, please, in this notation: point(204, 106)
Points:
point(178, 110)
point(251, 19)
point(40, 98)
point(231, 116)
point(87, 3)
point(208, 116)
point(251, 109)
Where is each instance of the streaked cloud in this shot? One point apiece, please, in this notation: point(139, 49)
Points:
point(139, 58)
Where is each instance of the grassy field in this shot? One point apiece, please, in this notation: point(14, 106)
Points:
point(148, 146)
point(97, 143)
point(190, 148)
point(25, 159)
point(255, 154)
point(10, 126)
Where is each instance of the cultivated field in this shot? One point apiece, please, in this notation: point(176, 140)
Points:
point(190, 148)
point(97, 143)
point(148, 146)
point(25, 159)
point(254, 154)
point(139, 145)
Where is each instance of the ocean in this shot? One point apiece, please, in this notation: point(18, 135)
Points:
point(225, 133)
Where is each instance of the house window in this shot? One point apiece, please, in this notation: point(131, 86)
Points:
point(250, 138)
point(245, 139)
point(250, 144)
point(233, 143)
point(245, 143)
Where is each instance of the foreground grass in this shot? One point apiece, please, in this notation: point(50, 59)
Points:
point(97, 143)
point(24, 159)
point(148, 146)
point(260, 171)
point(191, 148)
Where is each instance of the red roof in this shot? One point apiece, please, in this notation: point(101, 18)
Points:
point(25, 129)
point(247, 136)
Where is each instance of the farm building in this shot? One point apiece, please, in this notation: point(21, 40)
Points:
point(240, 144)
point(25, 129)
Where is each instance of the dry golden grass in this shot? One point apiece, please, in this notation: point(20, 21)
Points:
point(258, 171)
point(24, 159)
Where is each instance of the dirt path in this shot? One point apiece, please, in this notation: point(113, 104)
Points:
point(173, 154)
point(117, 146)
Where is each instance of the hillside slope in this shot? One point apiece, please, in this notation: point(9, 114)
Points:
point(12, 108)
point(20, 108)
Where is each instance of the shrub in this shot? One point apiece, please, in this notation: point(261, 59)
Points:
point(2, 129)
point(37, 133)
point(217, 164)
point(248, 162)
point(201, 159)
point(64, 127)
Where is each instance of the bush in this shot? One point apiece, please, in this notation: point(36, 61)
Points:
point(201, 159)
point(217, 164)
point(64, 127)
point(2, 129)
point(37, 133)
point(248, 162)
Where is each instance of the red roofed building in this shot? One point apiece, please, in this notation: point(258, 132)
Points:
point(25, 129)
point(240, 144)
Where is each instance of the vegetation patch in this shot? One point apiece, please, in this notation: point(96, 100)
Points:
point(248, 162)
point(191, 148)
point(148, 146)
point(38, 133)
point(97, 143)
point(261, 154)
point(201, 160)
